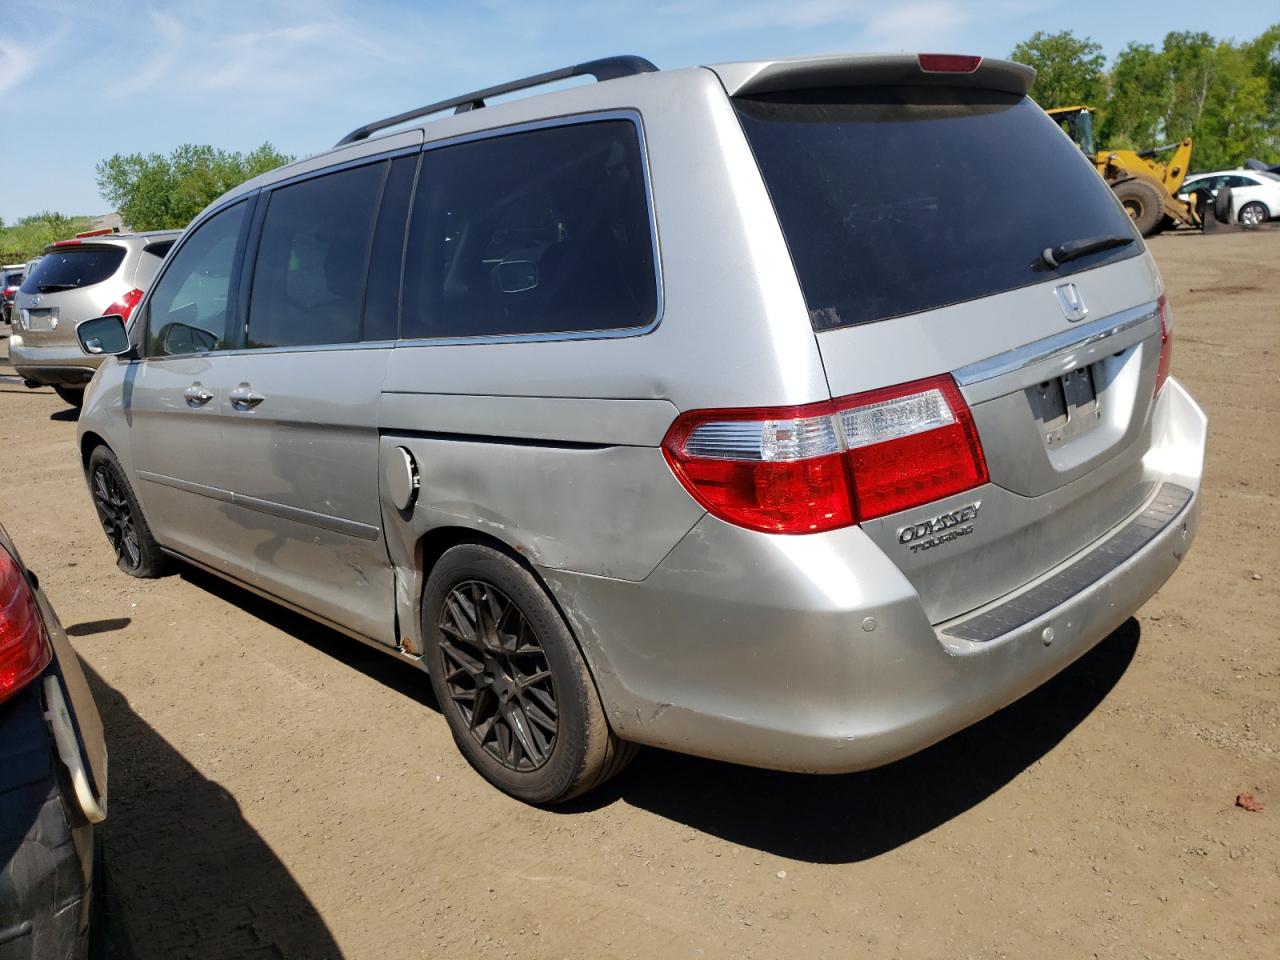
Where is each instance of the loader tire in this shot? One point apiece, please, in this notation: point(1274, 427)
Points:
point(1143, 203)
point(1222, 205)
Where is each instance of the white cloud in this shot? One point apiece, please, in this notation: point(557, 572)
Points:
point(19, 58)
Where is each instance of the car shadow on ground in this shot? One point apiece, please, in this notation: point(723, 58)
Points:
point(395, 674)
point(69, 415)
point(90, 627)
point(843, 819)
point(819, 819)
point(188, 876)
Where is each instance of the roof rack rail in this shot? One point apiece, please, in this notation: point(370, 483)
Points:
point(608, 68)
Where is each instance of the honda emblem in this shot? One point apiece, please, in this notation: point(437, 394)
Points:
point(1071, 301)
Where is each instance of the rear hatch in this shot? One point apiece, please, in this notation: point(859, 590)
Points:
point(69, 284)
point(916, 215)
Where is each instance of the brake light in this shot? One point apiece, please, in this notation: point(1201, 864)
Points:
point(67, 243)
point(948, 62)
point(124, 306)
point(24, 649)
point(1166, 343)
point(830, 464)
point(911, 444)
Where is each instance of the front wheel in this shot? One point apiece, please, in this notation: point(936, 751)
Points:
point(1253, 214)
point(137, 552)
point(510, 681)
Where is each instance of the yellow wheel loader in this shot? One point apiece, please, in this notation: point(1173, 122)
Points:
point(1147, 188)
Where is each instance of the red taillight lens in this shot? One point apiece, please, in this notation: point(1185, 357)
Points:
point(24, 650)
point(828, 465)
point(1166, 344)
point(124, 306)
point(911, 444)
point(776, 469)
point(948, 62)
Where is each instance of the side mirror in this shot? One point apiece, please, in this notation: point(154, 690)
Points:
point(104, 336)
point(515, 276)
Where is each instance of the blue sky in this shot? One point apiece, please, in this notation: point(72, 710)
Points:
point(83, 79)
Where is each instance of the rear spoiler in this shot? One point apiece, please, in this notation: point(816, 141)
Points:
point(898, 69)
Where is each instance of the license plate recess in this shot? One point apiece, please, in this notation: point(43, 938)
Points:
point(1066, 406)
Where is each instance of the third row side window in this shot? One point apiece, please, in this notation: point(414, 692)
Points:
point(308, 281)
point(541, 232)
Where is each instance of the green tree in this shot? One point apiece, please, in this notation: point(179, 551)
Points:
point(1221, 95)
point(30, 235)
point(156, 192)
point(1136, 103)
point(1069, 70)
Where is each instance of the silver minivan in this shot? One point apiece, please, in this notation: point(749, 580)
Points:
point(771, 411)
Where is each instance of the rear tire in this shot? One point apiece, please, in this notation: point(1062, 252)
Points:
point(1143, 204)
point(510, 681)
point(137, 552)
point(1253, 214)
point(71, 395)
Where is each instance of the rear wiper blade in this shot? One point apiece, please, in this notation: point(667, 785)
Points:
point(1056, 256)
point(51, 287)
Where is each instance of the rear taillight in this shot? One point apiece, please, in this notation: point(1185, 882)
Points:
point(948, 62)
point(1166, 344)
point(911, 444)
point(124, 306)
point(831, 464)
point(24, 649)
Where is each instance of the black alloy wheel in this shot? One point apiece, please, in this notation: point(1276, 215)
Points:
point(497, 673)
point(116, 513)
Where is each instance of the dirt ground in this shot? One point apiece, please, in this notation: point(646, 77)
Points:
point(278, 790)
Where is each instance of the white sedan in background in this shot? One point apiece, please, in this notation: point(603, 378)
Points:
point(1255, 194)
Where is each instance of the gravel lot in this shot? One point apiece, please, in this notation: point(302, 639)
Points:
point(278, 790)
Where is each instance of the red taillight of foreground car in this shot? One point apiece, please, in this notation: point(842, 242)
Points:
point(24, 649)
point(124, 306)
point(831, 464)
point(1166, 344)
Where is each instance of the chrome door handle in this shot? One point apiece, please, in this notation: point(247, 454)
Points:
point(197, 395)
point(244, 397)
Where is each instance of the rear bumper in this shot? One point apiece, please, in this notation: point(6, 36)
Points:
point(815, 654)
point(55, 365)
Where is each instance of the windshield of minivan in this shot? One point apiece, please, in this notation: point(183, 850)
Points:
point(73, 268)
point(896, 200)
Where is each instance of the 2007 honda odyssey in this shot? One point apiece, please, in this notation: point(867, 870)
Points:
point(772, 411)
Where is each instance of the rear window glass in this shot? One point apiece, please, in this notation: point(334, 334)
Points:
point(308, 283)
point(531, 233)
point(11, 278)
point(73, 268)
point(898, 200)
